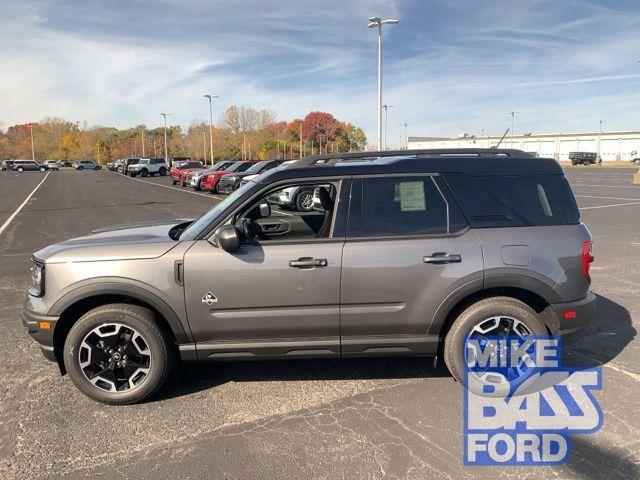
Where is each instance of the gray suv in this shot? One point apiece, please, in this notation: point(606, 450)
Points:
point(403, 253)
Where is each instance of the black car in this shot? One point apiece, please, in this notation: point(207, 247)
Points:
point(231, 182)
point(584, 158)
point(6, 165)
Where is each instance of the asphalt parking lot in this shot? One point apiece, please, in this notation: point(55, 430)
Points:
point(395, 418)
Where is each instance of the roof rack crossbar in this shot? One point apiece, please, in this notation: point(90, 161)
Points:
point(333, 158)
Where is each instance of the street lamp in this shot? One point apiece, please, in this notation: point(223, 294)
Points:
point(513, 123)
point(377, 22)
point(166, 151)
point(386, 116)
point(211, 124)
point(33, 150)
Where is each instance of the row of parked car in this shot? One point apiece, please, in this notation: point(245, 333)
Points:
point(55, 165)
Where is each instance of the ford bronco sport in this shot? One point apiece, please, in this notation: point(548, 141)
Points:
point(404, 253)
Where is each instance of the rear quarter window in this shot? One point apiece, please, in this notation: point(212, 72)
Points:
point(513, 200)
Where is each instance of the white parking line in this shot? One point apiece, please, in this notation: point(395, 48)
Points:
point(608, 186)
point(13, 215)
point(606, 198)
point(173, 188)
point(612, 205)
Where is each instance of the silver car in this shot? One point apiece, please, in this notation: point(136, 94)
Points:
point(401, 255)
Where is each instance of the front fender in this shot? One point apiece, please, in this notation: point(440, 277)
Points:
point(130, 288)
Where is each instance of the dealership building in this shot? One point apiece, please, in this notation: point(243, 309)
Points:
point(612, 146)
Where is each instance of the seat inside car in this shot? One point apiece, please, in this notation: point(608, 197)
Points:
point(326, 203)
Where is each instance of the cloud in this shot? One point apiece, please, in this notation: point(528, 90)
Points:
point(449, 66)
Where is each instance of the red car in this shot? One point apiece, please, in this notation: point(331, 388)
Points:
point(210, 181)
point(178, 170)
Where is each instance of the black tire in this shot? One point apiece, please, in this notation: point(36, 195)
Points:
point(80, 168)
point(161, 353)
point(478, 312)
point(163, 171)
point(144, 172)
point(302, 200)
point(173, 182)
point(133, 175)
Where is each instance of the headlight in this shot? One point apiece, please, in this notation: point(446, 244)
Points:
point(37, 280)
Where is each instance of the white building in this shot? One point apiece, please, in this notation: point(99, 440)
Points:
point(612, 146)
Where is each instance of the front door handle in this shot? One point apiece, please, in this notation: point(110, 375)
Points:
point(442, 257)
point(308, 262)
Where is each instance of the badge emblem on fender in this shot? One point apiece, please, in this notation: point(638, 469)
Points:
point(209, 298)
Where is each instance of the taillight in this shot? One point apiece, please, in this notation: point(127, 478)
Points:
point(587, 259)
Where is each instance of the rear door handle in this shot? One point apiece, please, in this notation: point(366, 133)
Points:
point(308, 262)
point(442, 257)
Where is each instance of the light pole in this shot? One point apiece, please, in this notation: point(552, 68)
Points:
point(513, 123)
point(211, 124)
point(33, 150)
point(386, 117)
point(599, 142)
point(166, 150)
point(377, 22)
point(142, 134)
point(406, 137)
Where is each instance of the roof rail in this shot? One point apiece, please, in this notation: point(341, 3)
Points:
point(333, 158)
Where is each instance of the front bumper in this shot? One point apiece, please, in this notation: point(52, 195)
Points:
point(225, 186)
point(574, 316)
point(44, 336)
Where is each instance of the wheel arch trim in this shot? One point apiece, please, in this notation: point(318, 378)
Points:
point(102, 287)
point(490, 284)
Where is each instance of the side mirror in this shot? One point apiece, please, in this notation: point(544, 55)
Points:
point(228, 238)
point(264, 210)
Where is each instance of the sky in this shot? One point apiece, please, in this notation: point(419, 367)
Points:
point(449, 66)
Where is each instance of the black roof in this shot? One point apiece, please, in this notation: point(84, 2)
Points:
point(472, 161)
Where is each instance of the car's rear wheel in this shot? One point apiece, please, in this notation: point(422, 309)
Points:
point(20, 169)
point(163, 171)
point(304, 200)
point(144, 172)
point(116, 354)
point(489, 318)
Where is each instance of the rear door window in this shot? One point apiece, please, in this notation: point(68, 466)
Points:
point(400, 206)
point(509, 201)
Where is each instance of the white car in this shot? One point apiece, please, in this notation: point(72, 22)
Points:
point(148, 166)
point(250, 178)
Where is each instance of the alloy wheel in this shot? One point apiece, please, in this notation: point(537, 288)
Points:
point(115, 357)
point(500, 327)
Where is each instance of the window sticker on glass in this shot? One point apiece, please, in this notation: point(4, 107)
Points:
point(412, 197)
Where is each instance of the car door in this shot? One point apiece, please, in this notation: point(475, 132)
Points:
point(407, 248)
point(276, 296)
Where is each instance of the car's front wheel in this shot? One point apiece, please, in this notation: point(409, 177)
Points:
point(144, 172)
point(20, 169)
point(116, 354)
point(493, 317)
point(42, 169)
point(163, 171)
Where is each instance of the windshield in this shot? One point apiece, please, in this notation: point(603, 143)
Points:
point(143, 162)
point(205, 220)
point(257, 167)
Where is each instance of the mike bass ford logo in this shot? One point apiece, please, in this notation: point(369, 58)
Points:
point(521, 404)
